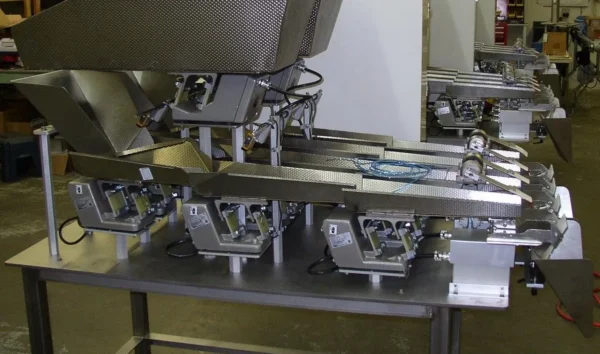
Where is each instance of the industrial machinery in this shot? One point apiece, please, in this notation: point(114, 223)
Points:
point(491, 58)
point(464, 100)
point(241, 181)
point(502, 95)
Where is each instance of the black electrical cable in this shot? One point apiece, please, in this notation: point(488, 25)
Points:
point(425, 256)
point(327, 257)
point(434, 124)
point(430, 235)
point(287, 99)
point(310, 84)
point(177, 243)
point(68, 222)
point(288, 94)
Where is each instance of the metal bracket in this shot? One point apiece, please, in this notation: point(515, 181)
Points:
point(506, 159)
point(513, 190)
point(508, 145)
point(493, 291)
point(507, 172)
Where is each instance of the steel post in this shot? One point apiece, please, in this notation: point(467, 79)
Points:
point(44, 142)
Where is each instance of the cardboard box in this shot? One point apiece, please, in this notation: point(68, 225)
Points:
point(60, 163)
point(16, 117)
point(593, 30)
point(19, 127)
point(555, 43)
point(7, 21)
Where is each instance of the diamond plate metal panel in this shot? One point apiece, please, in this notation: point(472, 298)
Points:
point(320, 27)
point(279, 183)
point(178, 163)
point(181, 155)
point(433, 200)
point(343, 136)
point(408, 146)
point(225, 36)
point(429, 160)
point(333, 148)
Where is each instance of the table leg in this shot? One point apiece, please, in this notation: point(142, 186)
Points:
point(38, 314)
point(456, 325)
point(445, 331)
point(140, 320)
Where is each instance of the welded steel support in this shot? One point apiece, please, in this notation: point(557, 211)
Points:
point(276, 132)
point(239, 155)
point(205, 134)
point(187, 191)
point(44, 142)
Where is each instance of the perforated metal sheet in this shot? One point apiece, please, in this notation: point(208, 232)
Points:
point(430, 160)
point(415, 146)
point(344, 136)
point(279, 183)
point(329, 163)
point(182, 155)
point(225, 36)
point(333, 148)
point(433, 200)
point(111, 168)
point(320, 27)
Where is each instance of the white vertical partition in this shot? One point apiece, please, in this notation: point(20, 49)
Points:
point(452, 34)
point(485, 21)
point(373, 69)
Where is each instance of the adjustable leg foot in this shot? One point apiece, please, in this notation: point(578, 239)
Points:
point(235, 265)
point(145, 237)
point(122, 249)
point(310, 214)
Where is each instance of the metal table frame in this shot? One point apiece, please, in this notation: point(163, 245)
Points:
point(418, 300)
point(445, 322)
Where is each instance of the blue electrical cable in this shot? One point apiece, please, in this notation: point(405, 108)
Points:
point(393, 169)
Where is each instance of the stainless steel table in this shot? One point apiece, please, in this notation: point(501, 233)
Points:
point(149, 270)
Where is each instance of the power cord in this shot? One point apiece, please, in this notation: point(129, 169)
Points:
point(425, 256)
point(178, 243)
point(65, 224)
point(288, 94)
point(310, 84)
point(327, 257)
point(433, 123)
point(565, 316)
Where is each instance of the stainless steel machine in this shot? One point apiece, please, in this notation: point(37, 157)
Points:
point(156, 121)
point(502, 95)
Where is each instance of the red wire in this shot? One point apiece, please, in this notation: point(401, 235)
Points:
point(565, 316)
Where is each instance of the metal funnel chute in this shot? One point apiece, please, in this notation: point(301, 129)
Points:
point(94, 111)
point(320, 27)
point(222, 36)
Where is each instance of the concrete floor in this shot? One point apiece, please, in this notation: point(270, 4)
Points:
point(91, 320)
